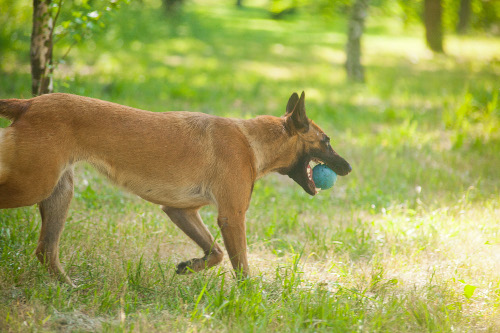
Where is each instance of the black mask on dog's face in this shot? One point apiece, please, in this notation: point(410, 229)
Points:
point(316, 146)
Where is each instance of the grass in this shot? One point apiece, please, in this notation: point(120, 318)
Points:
point(408, 242)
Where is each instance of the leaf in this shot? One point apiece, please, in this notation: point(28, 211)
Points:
point(469, 290)
point(393, 281)
point(94, 14)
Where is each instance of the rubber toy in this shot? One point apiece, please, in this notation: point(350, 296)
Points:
point(323, 177)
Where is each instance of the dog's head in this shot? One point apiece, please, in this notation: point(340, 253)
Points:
point(312, 145)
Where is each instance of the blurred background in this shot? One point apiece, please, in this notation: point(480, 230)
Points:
point(407, 90)
point(369, 71)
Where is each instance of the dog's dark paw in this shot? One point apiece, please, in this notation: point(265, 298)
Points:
point(184, 268)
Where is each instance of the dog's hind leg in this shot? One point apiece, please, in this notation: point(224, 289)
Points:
point(54, 210)
point(189, 221)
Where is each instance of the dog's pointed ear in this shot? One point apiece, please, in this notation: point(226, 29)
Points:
point(296, 119)
point(292, 101)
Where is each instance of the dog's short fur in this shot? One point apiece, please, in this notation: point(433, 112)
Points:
point(180, 160)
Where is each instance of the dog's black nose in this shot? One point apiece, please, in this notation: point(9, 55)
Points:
point(346, 168)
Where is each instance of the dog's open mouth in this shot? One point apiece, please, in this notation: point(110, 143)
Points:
point(309, 171)
point(302, 171)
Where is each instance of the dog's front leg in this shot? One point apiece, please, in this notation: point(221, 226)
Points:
point(189, 221)
point(233, 229)
point(233, 199)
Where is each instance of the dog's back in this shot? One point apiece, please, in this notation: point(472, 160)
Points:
point(162, 157)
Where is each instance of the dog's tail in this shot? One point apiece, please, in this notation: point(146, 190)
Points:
point(12, 109)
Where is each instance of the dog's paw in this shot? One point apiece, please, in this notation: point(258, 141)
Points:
point(184, 268)
point(191, 266)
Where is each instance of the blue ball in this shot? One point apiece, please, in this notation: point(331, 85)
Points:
point(323, 176)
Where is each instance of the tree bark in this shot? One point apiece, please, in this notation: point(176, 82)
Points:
point(433, 25)
point(41, 48)
point(172, 6)
point(354, 68)
point(464, 16)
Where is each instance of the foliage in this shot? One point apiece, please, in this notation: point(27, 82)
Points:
point(485, 13)
point(13, 34)
point(474, 121)
point(79, 19)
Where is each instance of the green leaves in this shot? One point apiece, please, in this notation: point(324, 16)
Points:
point(476, 120)
point(80, 20)
point(469, 291)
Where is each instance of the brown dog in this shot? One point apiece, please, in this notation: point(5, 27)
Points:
point(180, 160)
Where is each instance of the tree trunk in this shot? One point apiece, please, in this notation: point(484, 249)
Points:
point(41, 48)
point(359, 12)
point(239, 3)
point(464, 16)
point(433, 26)
point(172, 6)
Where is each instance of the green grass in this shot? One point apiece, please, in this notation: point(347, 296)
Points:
point(408, 242)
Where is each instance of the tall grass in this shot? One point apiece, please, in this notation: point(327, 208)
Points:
point(408, 242)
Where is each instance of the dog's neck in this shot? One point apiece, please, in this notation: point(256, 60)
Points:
point(269, 141)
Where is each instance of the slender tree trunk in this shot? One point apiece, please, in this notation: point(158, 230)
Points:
point(41, 48)
point(464, 16)
point(239, 3)
point(172, 6)
point(433, 26)
point(354, 68)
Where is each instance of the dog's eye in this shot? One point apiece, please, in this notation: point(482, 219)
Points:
point(326, 141)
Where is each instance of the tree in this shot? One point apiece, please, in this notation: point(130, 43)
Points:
point(433, 11)
point(172, 6)
point(354, 68)
point(45, 14)
point(464, 15)
point(41, 48)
